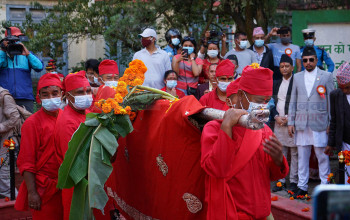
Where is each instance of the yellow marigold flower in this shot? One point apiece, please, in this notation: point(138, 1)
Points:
point(138, 81)
point(123, 111)
point(118, 98)
point(255, 65)
point(128, 110)
point(106, 108)
point(121, 84)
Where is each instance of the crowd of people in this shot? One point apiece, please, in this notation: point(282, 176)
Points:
point(306, 112)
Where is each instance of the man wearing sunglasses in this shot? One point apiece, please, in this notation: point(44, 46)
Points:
point(308, 117)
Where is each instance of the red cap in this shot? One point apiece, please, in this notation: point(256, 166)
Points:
point(225, 68)
point(108, 67)
point(232, 88)
point(48, 79)
point(14, 31)
point(75, 80)
point(256, 81)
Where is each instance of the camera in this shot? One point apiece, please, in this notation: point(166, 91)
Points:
point(13, 48)
point(215, 35)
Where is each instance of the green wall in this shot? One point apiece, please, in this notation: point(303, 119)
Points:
point(301, 19)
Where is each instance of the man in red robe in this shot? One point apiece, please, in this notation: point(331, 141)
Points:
point(78, 94)
point(217, 98)
point(231, 93)
point(108, 77)
point(36, 160)
point(239, 162)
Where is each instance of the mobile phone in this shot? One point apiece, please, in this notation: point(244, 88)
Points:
point(331, 202)
point(185, 52)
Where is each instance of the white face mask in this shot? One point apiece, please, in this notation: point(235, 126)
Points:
point(243, 44)
point(111, 83)
point(82, 102)
point(223, 86)
point(212, 53)
point(254, 105)
point(52, 104)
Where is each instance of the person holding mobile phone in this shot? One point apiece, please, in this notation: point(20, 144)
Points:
point(187, 66)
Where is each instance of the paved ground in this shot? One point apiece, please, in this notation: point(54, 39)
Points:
point(312, 183)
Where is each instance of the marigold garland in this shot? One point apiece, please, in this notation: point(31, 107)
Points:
point(133, 76)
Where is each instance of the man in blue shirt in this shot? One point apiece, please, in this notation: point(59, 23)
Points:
point(173, 38)
point(15, 71)
point(322, 55)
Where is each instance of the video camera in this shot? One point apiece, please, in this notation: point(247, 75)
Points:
point(13, 48)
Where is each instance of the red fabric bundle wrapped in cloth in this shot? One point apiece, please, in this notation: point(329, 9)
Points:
point(157, 172)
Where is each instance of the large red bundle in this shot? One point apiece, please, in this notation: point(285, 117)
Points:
point(157, 173)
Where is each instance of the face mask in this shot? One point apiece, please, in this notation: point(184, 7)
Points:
point(190, 49)
point(223, 86)
point(309, 42)
point(243, 44)
point(171, 84)
point(254, 106)
point(53, 72)
point(259, 43)
point(146, 42)
point(212, 53)
point(111, 83)
point(52, 104)
point(82, 102)
point(175, 41)
point(96, 81)
point(285, 40)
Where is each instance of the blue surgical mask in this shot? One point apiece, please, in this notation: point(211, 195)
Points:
point(309, 42)
point(190, 49)
point(243, 44)
point(171, 84)
point(254, 105)
point(53, 72)
point(212, 53)
point(96, 81)
point(259, 43)
point(175, 41)
point(52, 104)
point(111, 83)
point(223, 86)
point(82, 102)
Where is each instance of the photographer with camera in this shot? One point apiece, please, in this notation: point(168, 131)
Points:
point(16, 63)
point(212, 36)
point(187, 66)
point(173, 38)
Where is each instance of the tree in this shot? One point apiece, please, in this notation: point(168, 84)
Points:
point(120, 21)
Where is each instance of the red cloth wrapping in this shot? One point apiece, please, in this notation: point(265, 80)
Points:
point(75, 80)
point(257, 81)
point(37, 156)
point(108, 67)
point(137, 179)
point(233, 87)
point(233, 167)
point(211, 100)
point(225, 68)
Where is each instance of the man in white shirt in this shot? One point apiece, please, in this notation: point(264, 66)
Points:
point(282, 89)
point(308, 117)
point(156, 60)
point(244, 55)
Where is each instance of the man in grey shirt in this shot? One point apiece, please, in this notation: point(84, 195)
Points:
point(156, 60)
point(244, 55)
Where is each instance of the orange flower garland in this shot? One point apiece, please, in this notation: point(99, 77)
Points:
point(133, 76)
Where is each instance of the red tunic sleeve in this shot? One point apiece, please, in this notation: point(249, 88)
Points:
point(204, 99)
point(30, 141)
point(218, 150)
point(62, 138)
